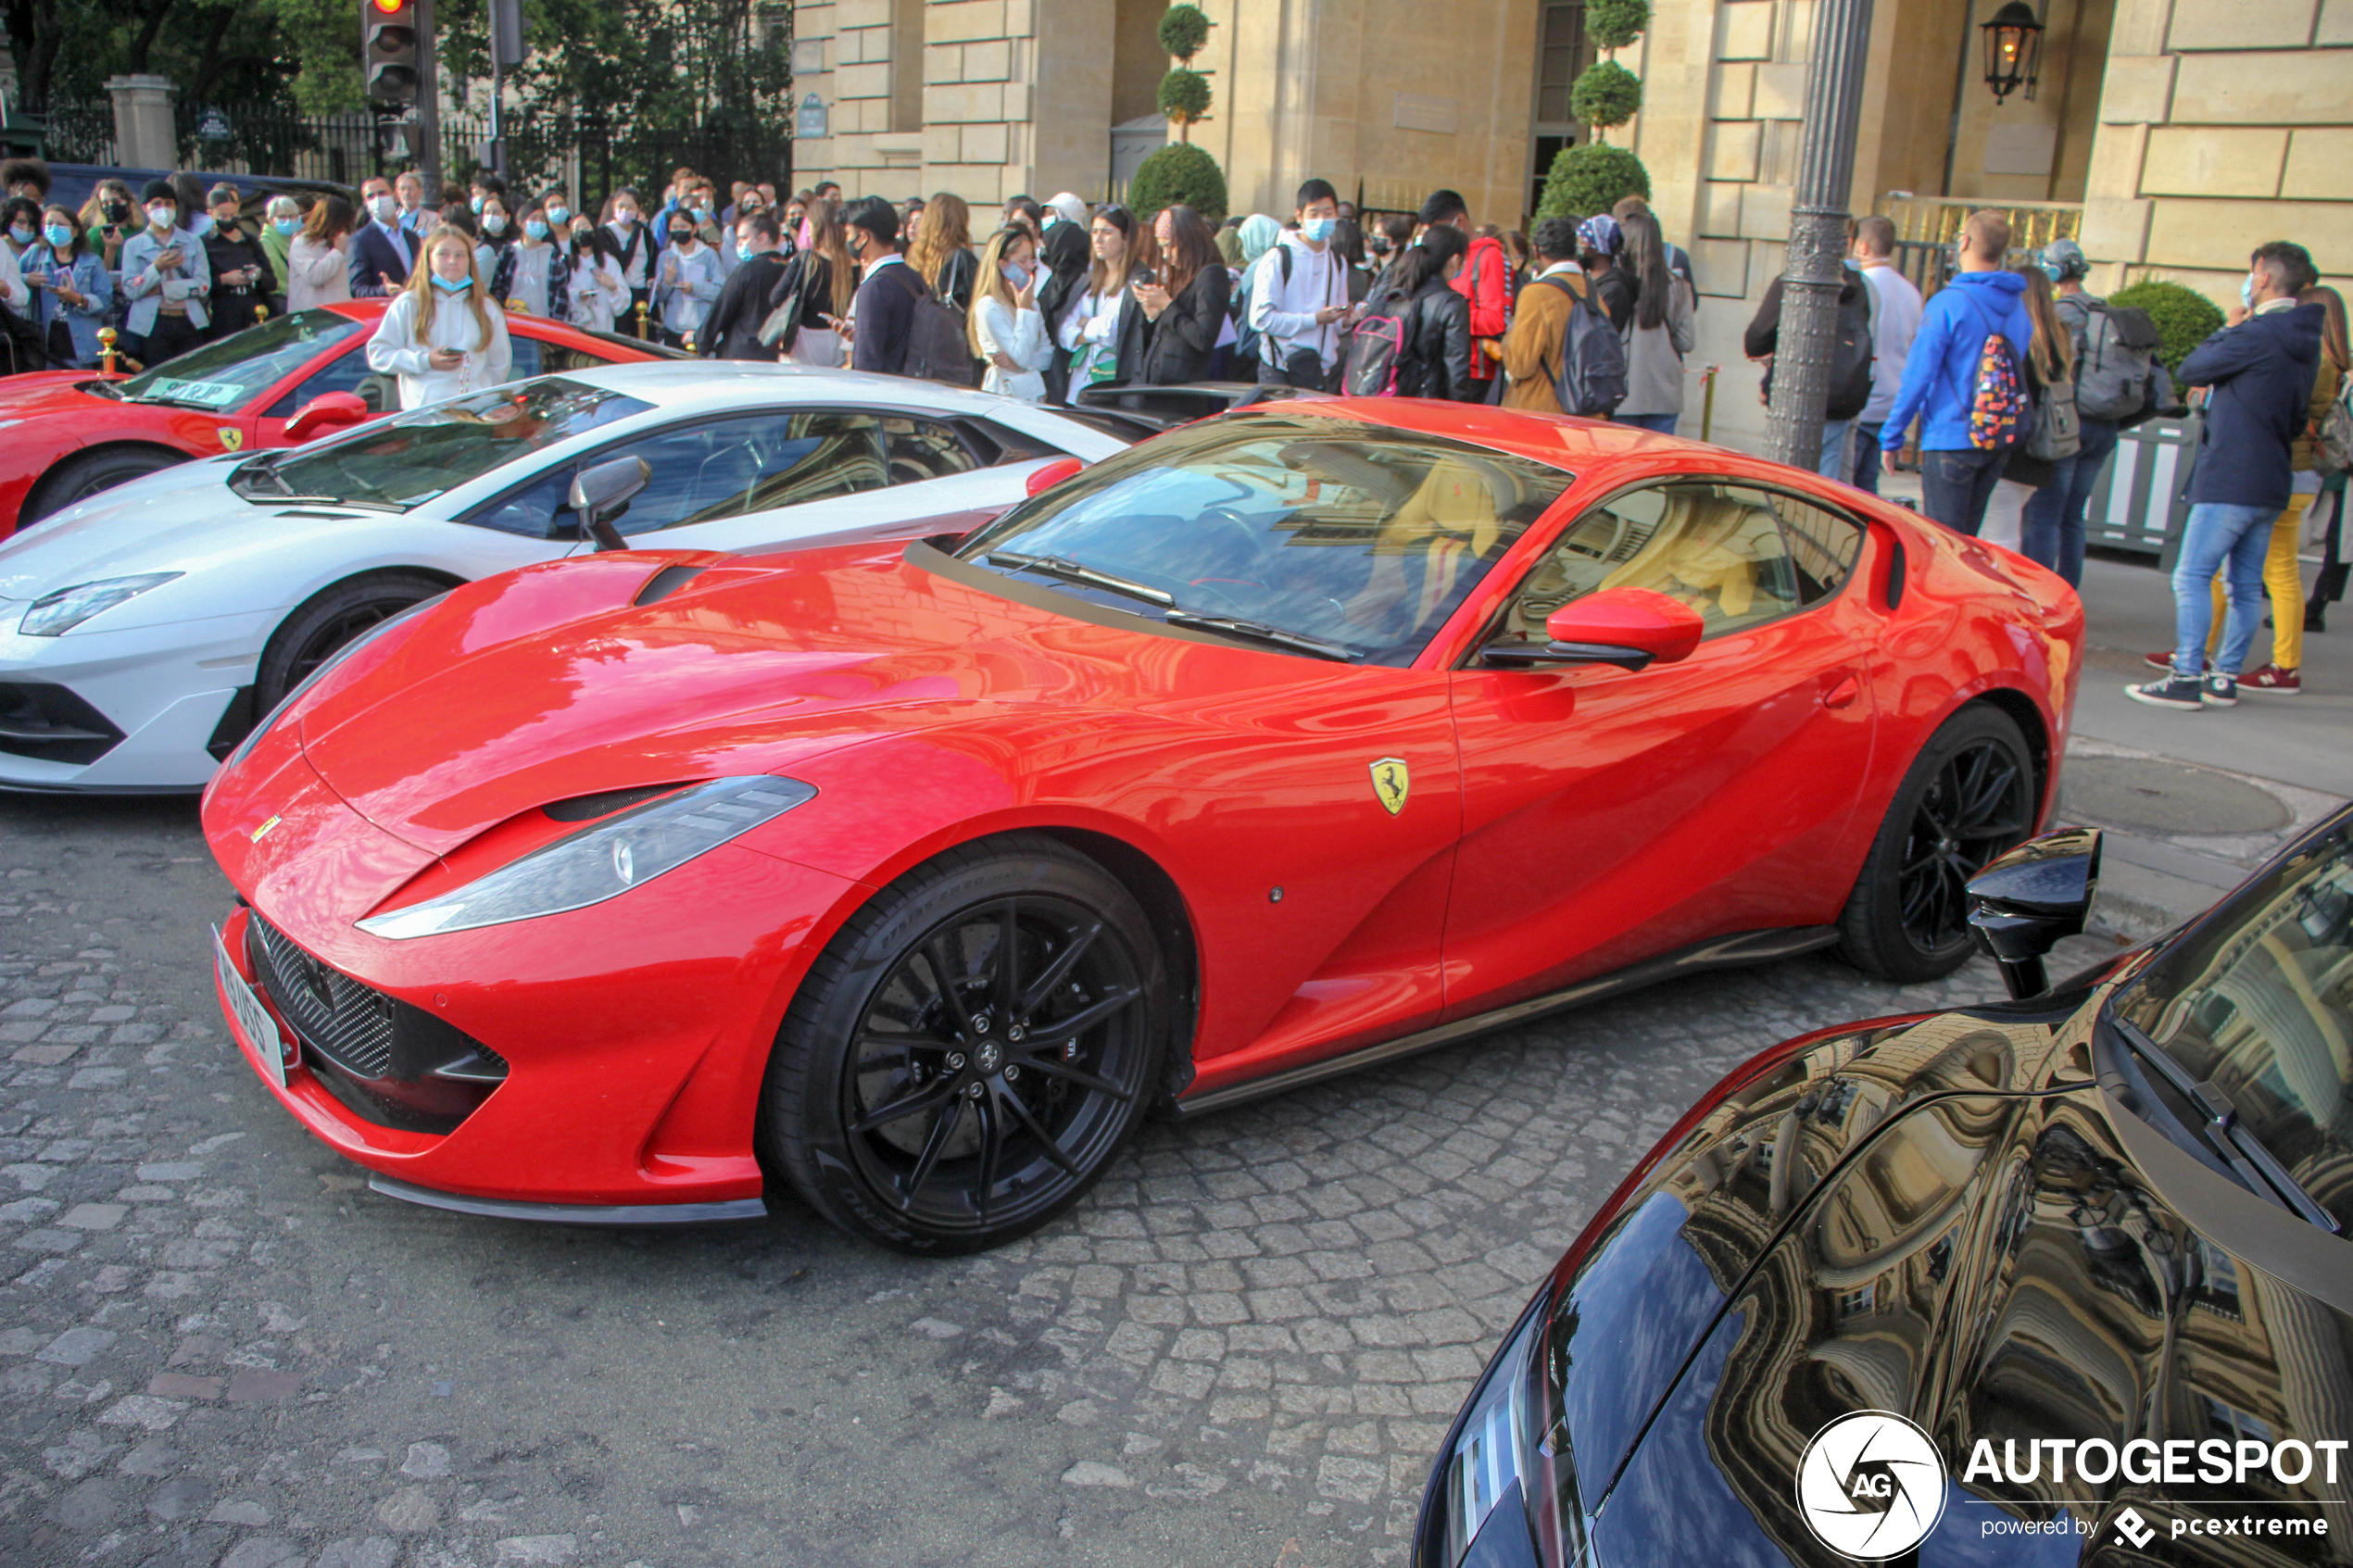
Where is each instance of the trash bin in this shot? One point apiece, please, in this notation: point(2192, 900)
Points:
point(2136, 502)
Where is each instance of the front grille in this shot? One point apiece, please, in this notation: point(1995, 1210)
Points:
point(50, 723)
point(341, 1020)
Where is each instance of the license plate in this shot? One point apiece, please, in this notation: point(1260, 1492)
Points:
point(252, 1017)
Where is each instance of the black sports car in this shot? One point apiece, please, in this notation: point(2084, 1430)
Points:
point(2055, 1280)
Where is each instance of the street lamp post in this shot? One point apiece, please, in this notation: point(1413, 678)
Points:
point(1808, 335)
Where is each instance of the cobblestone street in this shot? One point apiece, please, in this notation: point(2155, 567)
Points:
point(217, 1347)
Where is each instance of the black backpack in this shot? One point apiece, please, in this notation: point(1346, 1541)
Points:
point(1851, 361)
point(937, 346)
point(1593, 373)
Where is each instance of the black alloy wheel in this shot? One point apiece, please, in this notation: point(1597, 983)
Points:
point(971, 1050)
point(321, 626)
point(1970, 796)
point(79, 478)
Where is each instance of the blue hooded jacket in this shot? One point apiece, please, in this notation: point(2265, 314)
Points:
point(1940, 374)
point(2261, 372)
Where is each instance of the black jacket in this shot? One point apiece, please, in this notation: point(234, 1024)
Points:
point(2261, 372)
point(229, 250)
point(733, 330)
point(1762, 339)
point(1179, 344)
point(1434, 360)
point(886, 309)
point(1616, 291)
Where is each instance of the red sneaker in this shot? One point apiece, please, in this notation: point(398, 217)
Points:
point(2158, 660)
point(2272, 679)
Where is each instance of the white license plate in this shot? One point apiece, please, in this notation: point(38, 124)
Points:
point(252, 1017)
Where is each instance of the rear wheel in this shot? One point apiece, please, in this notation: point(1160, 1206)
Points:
point(80, 478)
point(327, 621)
point(970, 1052)
point(1969, 796)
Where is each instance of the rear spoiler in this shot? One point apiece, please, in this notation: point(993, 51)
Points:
point(1153, 408)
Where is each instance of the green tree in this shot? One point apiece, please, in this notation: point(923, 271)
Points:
point(1606, 95)
point(2184, 318)
point(1180, 173)
point(1613, 24)
point(1592, 179)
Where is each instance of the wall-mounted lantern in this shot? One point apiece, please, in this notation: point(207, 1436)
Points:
point(2013, 49)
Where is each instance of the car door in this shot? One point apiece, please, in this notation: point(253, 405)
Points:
point(1609, 814)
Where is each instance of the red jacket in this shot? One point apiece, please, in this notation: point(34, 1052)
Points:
point(1485, 282)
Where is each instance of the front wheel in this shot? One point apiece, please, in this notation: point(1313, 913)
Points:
point(321, 625)
point(79, 477)
point(1967, 797)
point(970, 1051)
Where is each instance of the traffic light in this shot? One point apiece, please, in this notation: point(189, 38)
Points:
point(388, 50)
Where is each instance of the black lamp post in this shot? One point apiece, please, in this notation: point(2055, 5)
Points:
point(2013, 49)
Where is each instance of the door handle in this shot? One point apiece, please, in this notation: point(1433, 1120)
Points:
point(1839, 689)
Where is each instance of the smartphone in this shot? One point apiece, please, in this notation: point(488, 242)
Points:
point(1147, 276)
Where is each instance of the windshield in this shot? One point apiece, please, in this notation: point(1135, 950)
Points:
point(2258, 1001)
point(1351, 540)
point(225, 375)
point(414, 456)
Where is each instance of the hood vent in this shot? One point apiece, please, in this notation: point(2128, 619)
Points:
point(588, 808)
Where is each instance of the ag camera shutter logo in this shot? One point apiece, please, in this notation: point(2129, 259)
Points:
point(1871, 1486)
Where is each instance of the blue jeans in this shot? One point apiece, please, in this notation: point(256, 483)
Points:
point(2220, 537)
point(2053, 532)
point(1663, 423)
point(1956, 483)
point(1867, 457)
point(1833, 460)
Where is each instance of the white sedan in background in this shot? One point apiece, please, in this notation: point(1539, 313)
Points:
point(144, 631)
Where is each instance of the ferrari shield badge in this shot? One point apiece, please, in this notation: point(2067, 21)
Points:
point(232, 438)
point(1390, 782)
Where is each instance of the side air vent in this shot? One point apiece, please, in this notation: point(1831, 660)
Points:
point(666, 582)
point(588, 808)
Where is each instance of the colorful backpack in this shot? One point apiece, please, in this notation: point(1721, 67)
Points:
point(1375, 347)
point(2001, 414)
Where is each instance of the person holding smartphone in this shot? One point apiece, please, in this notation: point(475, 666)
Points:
point(167, 280)
point(809, 301)
point(72, 292)
point(444, 335)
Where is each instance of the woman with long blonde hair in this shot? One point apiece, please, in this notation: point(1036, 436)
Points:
point(1004, 326)
point(814, 294)
point(942, 253)
point(444, 334)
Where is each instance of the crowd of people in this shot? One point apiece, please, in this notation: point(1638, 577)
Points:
point(2012, 380)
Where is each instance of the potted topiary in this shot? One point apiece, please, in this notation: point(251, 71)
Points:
point(1184, 92)
point(1179, 172)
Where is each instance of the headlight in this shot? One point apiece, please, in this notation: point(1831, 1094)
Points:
point(69, 608)
point(603, 861)
point(326, 667)
point(1481, 1492)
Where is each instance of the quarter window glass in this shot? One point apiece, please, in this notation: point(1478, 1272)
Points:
point(526, 351)
point(536, 510)
point(1715, 548)
point(725, 470)
point(1822, 546)
point(921, 450)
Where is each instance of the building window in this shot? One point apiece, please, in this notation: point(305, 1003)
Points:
point(1560, 54)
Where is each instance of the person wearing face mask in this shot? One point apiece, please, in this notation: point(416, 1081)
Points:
point(444, 335)
point(1434, 359)
point(1004, 327)
point(381, 253)
point(1299, 299)
point(166, 280)
point(882, 317)
point(71, 294)
point(732, 329)
point(495, 252)
point(280, 222)
point(628, 245)
point(594, 289)
point(318, 267)
point(688, 283)
point(109, 217)
point(19, 226)
point(2258, 373)
point(242, 280)
point(541, 277)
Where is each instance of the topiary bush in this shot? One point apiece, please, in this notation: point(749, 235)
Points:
point(1613, 24)
point(1183, 29)
point(2184, 318)
point(1592, 179)
point(1184, 97)
point(1606, 95)
point(1180, 173)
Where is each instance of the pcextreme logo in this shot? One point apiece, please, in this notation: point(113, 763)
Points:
point(1871, 1485)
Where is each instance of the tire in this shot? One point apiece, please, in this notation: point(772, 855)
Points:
point(329, 618)
point(77, 479)
point(1009, 1113)
point(1967, 797)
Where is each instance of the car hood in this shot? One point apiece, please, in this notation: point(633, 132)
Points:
point(47, 391)
point(549, 683)
point(182, 518)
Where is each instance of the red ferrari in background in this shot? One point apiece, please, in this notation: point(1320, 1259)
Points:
point(71, 433)
point(1288, 742)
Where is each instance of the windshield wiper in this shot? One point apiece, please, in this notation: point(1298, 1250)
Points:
point(1298, 642)
point(2230, 1137)
point(1085, 576)
point(265, 466)
point(336, 501)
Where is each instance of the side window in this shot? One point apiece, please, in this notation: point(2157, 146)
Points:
point(1822, 546)
point(529, 359)
point(1716, 547)
point(541, 510)
point(346, 371)
point(705, 472)
point(921, 449)
point(556, 358)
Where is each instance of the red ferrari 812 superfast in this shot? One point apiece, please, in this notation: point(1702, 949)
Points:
point(913, 875)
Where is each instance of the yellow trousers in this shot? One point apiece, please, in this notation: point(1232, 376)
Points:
point(2284, 581)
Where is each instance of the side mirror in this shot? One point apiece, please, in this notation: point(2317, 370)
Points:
point(329, 411)
point(1633, 628)
point(602, 494)
point(1052, 473)
point(2024, 902)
